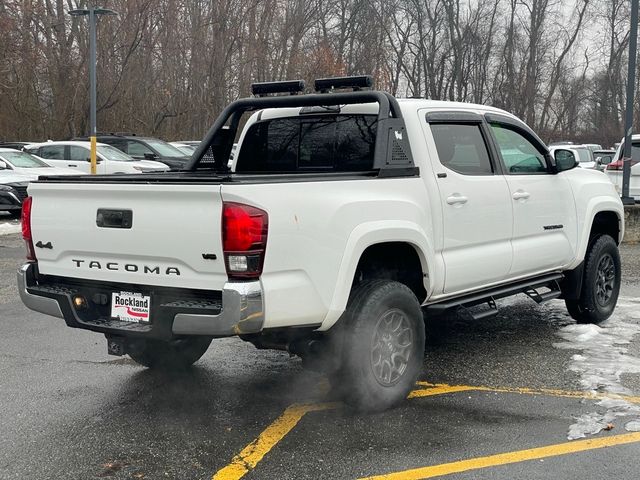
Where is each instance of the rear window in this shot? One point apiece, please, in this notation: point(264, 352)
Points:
point(635, 151)
point(584, 155)
point(343, 143)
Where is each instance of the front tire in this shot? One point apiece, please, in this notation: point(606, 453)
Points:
point(175, 354)
point(600, 283)
point(383, 349)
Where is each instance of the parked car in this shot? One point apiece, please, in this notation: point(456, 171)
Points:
point(593, 147)
point(13, 190)
point(76, 155)
point(146, 148)
point(184, 147)
point(28, 164)
point(338, 233)
point(603, 158)
point(615, 169)
point(582, 153)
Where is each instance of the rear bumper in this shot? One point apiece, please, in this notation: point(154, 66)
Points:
point(238, 309)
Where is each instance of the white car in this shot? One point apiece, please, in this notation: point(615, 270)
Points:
point(582, 153)
point(76, 155)
point(614, 169)
point(28, 164)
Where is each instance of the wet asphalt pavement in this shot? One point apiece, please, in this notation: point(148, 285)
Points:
point(69, 410)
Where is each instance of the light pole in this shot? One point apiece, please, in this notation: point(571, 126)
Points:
point(93, 13)
point(628, 123)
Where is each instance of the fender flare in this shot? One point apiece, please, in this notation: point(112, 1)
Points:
point(361, 238)
point(594, 206)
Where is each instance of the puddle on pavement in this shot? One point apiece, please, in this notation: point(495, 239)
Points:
point(601, 359)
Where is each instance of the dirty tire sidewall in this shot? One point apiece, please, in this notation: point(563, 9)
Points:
point(370, 302)
point(588, 309)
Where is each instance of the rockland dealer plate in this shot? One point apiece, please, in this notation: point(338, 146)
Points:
point(130, 307)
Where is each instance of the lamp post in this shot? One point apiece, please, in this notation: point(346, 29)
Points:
point(93, 13)
point(628, 124)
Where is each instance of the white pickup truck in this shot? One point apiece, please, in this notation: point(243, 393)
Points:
point(346, 220)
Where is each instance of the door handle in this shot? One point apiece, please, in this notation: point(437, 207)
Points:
point(70, 165)
point(521, 195)
point(456, 199)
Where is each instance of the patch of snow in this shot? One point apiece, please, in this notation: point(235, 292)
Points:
point(602, 360)
point(633, 426)
point(7, 228)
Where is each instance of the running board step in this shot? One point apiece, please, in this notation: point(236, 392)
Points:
point(553, 293)
point(529, 286)
point(489, 312)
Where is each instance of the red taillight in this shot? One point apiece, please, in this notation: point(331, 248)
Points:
point(244, 239)
point(26, 228)
point(617, 165)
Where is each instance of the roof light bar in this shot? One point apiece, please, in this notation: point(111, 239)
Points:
point(265, 88)
point(324, 85)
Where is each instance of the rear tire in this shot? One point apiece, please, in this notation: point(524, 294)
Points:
point(169, 355)
point(384, 336)
point(600, 282)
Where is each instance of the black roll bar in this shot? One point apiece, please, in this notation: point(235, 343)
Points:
point(390, 121)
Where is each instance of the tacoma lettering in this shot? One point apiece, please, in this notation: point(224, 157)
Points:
point(128, 267)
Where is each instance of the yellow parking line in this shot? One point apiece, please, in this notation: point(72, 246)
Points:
point(249, 457)
point(439, 390)
point(510, 457)
point(442, 388)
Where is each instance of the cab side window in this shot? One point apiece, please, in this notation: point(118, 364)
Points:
point(79, 154)
point(137, 149)
point(519, 155)
point(52, 152)
point(461, 148)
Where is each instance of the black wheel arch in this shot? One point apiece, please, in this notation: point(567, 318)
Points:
point(398, 261)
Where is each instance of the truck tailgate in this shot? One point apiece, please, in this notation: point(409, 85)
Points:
point(172, 228)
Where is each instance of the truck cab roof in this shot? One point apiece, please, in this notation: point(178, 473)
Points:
point(407, 105)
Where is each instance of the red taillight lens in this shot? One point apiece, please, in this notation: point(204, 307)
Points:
point(26, 228)
point(244, 238)
point(617, 165)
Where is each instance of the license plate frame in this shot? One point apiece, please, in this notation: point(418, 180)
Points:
point(133, 307)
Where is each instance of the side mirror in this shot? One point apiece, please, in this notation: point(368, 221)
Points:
point(565, 160)
point(150, 156)
point(3, 165)
point(97, 160)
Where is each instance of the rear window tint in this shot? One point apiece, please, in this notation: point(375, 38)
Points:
point(462, 148)
point(52, 152)
point(344, 143)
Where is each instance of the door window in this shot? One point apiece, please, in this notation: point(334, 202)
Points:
point(519, 155)
point(79, 154)
point(52, 152)
point(137, 149)
point(461, 148)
